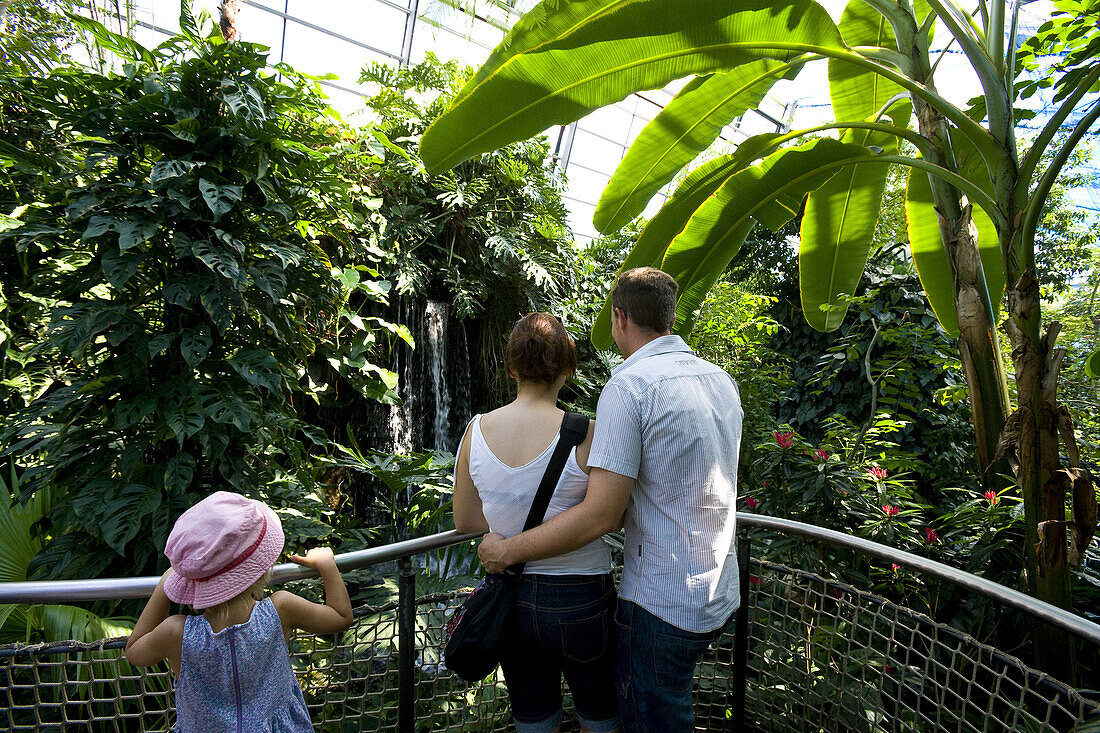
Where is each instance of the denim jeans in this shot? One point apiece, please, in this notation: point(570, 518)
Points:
point(562, 625)
point(655, 670)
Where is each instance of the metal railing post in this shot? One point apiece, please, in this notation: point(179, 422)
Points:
point(741, 634)
point(406, 648)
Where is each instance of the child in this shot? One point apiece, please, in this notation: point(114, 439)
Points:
point(231, 663)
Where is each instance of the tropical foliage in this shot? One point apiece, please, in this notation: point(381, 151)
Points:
point(167, 278)
point(973, 203)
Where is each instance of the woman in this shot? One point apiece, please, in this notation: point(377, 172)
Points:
point(564, 604)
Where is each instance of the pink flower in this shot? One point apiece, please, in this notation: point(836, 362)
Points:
point(822, 455)
point(890, 669)
point(991, 497)
point(765, 483)
point(754, 580)
point(930, 535)
point(889, 510)
point(751, 502)
point(877, 472)
point(895, 567)
point(784, 439)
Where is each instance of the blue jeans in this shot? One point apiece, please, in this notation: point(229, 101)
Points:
point(562, 625)
point(654, 671)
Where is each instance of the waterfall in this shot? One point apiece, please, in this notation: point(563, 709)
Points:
point(436, 316)
point(400, 417)
point(433, 379)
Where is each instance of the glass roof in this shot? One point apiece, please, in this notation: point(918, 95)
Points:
point(341, 36)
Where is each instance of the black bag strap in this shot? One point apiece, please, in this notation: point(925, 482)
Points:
point(574, 429)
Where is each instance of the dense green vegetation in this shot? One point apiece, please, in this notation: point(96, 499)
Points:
point(974, 197)
point(209, 281)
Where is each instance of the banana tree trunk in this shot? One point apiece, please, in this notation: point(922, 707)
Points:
point(228, 11)
point(978, 347)
point(1043, 482)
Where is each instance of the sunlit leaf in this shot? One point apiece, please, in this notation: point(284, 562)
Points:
point(644, 44)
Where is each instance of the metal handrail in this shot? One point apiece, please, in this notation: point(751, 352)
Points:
point(109, 589)
point(62, 591)
point(1040, 609)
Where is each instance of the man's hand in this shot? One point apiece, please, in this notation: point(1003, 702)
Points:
point(493, 553)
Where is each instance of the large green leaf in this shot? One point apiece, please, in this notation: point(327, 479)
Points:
point(543, 24)
point(18, 541)
point(18, 545)
point(77, 624)
point(840, 218)
point(929, 256)
point(837, 229)
point(650, 248)
point(857, 93)
point(682, 130)
point(1092, 365)
point(639, 45)
point(769, 193)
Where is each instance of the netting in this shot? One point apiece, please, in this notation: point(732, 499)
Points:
point(822, 656)
point(825, 656)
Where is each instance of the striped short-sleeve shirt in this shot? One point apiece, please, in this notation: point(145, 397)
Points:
point(672, 422)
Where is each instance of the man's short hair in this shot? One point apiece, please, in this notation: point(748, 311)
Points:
point(648, 298)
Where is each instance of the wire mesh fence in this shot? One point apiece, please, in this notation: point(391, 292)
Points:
point(822, 656)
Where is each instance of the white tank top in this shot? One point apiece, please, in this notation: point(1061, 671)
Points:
point(506, 495)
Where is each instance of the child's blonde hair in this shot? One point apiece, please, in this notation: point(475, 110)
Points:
point(221, 613)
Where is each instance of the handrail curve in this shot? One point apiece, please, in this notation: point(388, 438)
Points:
point(1071, 622)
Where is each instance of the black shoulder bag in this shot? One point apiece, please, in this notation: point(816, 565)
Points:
point(473, 634)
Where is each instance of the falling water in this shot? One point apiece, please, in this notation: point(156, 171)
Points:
point(400, 418)
point(434, 379)
point(435, 327)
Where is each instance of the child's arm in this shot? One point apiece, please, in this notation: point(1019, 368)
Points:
point(298, 613)
point(156, 636)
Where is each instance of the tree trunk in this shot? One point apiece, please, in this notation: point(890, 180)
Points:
point(978, 348)
point(228, 10)
point(1043, 481)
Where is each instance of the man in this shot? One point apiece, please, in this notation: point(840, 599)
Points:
point(665, 450)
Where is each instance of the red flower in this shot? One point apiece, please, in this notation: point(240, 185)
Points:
point(784, 439)
point(751, 501)
point(890, 669)
point(822, 454)
point(889, 510)
point(765, 483)
point(930, 535)
point(877, 472)
point(991, 497)
point(895, 567)
point(754, 580)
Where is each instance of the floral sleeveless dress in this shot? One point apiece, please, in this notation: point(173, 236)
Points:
point(238, 680)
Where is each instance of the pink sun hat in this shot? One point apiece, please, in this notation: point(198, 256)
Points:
point(220, 547)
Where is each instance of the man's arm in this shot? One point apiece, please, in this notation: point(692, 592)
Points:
point(601, 512)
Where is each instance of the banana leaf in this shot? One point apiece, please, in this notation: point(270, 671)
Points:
point(683, 129)
point(570, 71)
point(839, 223)
point(650, 248)
point(770, 193)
